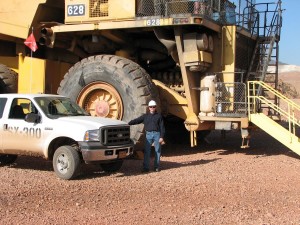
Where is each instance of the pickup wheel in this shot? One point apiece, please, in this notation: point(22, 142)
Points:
point(66, 162)
point(8, 80)
point(7, 159)
point(110, 86)
point(112, 166)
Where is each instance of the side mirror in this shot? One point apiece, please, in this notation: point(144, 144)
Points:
point(32, 118)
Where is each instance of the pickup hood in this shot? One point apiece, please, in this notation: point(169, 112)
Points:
point(90, 122)
point(76, 126)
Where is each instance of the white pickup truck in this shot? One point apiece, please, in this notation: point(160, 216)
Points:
point(54, 127)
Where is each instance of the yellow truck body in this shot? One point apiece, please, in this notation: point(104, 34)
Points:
point(112, 57)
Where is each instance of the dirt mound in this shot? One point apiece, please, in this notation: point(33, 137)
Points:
point(289, 84)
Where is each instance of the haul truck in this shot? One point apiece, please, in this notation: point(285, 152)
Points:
point(194, 57)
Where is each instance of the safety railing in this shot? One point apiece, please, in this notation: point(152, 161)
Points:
point(249, 20)
point(220, 11)
point(231, 99)
point(270, 18)
point(255, 99)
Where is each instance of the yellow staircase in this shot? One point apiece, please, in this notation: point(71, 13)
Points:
point(286, 136)
point(276, 131)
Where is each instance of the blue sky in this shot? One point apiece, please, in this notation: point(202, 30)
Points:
point(289, 45)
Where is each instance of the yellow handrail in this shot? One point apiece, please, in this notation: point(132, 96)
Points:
point(292, 106)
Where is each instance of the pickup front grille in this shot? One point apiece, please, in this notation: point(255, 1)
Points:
point(115, 135)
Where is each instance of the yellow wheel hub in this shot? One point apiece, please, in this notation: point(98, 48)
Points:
point(101, 99)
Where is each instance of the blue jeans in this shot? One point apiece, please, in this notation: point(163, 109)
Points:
point(152, 137)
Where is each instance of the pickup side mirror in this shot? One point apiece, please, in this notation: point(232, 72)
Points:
point(32, 118)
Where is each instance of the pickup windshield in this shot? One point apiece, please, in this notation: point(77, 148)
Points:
point(55, 107)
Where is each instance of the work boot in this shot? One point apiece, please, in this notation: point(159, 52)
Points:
point(144, 170)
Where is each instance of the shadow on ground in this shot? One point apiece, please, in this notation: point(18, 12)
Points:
point(177, 139)
point(260, 143)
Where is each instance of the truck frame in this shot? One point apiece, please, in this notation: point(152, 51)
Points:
point(204, 61)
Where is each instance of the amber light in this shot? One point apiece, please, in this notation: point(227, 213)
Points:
point(197, 20)
point(86, 136)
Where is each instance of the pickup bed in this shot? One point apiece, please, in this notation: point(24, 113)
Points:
point(57, 129)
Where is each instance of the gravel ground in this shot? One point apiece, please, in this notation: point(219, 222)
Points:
point(217, 183)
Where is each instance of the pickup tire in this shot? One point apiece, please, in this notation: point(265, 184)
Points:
point(105, 77)
point(66, 162)
point(8, 80)
point(7, 159)
point(112, 166)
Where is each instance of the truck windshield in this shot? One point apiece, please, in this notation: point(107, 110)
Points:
point(55, 107)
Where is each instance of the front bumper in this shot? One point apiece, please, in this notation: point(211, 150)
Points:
point(93, 151)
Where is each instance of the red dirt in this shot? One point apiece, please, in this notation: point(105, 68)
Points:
point(210, 184)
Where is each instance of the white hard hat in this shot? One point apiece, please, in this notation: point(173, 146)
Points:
point(152, 103)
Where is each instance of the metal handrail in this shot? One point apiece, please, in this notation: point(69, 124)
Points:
point(245, 19)
point(253, 97)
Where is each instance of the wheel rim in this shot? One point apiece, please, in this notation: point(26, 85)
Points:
point(62, 164)
point(101, 99)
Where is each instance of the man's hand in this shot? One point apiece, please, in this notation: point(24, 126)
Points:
point(161, 141)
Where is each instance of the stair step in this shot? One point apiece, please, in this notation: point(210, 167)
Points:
point(276, 131)
point(275, 117)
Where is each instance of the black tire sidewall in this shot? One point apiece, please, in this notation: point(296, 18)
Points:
point(131, 81)
point(8, 80)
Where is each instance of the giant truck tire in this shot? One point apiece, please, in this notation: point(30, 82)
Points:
point(111, 86)
point(8, 80)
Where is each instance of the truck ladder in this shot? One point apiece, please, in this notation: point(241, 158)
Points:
point(284, 134)
point(266, 52)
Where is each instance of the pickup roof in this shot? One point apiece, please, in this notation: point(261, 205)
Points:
point(57, 129)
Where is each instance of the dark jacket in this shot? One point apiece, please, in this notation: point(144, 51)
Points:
point(152, 122)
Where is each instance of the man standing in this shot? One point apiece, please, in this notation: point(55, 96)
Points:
point(155, 131)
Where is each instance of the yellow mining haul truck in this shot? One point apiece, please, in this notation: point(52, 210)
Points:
point(194, 57)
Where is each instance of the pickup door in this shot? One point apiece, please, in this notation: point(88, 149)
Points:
point(19, 136)
point(2, 107)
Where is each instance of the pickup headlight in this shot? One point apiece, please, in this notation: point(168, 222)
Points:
point(91, 135)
